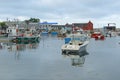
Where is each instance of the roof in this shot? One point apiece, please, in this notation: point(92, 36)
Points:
point(80, 24)
point(49, 23)
point(58, 25)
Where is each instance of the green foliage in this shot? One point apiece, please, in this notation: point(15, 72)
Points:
point(3, 25)
point(34, 20)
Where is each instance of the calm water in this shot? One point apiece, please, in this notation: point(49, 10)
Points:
point(44, 61)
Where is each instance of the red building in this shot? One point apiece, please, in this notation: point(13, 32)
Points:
point(84, 26)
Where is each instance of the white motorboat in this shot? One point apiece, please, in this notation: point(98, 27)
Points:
point(78, 43)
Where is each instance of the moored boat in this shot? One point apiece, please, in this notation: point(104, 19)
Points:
point(78, 43)
point(26, 37)
point(98, 36)
point(22, 35)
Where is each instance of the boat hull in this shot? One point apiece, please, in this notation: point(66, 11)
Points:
point(67, 48)
point(25, 39)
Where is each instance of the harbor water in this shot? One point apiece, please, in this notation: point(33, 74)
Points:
point(44, 60)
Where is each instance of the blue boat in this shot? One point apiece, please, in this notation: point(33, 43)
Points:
point(54, 33)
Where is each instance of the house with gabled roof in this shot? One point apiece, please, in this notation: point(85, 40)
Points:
point(84, 26)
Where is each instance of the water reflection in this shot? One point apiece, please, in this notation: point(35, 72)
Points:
point(18, 47)
point(77, 59)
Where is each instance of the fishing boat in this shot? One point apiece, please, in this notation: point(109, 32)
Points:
point(78, 43)
point(26, 37)
point(98, 36)
point(22, 35)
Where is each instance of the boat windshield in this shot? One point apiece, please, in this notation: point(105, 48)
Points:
point(81, 38)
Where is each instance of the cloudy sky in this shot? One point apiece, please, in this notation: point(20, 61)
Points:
point(100, 12)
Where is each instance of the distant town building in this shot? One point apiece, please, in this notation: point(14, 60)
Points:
point(110, 30)
point(47, 25)
point(22, 24)
point(68, 26)
point(111, 27)
point(57, 27)
point(84, 26)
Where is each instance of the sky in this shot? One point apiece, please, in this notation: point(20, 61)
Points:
point(100, 12)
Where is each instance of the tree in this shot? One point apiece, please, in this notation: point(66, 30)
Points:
point(3, 25)
point(31, 20)
point(34, 20)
